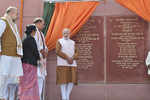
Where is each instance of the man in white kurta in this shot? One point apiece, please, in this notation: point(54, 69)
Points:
point(10, 51)
point(66, 64)
point(43, 51)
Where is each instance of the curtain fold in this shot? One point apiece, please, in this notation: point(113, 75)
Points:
point(70, 15)
point(140, 7)
point(47, 14)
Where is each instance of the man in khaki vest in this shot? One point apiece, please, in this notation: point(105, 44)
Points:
point(10, 51)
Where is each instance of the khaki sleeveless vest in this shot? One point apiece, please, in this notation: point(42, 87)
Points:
point(8, 41)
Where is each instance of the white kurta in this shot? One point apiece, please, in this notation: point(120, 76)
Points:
point(67, 47)
point(9, 66)
point(41, 71)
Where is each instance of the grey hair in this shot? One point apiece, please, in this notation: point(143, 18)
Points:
point(37, 20)
point(9, 9)
point(66, 30)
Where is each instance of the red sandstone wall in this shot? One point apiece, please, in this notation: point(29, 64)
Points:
point(105, 89)
point(84, 91)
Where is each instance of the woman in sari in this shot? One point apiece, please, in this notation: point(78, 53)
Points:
point(28, 87)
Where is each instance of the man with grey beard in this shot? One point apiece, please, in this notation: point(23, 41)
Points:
point(10, 51)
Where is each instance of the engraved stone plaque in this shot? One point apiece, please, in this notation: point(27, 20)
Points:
point(125, 49)
point(90, 42)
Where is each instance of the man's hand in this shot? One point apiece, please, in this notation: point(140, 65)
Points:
point(70, 60)
point(17, 55)
point(44, 53)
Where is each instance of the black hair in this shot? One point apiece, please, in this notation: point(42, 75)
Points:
point(30, 28)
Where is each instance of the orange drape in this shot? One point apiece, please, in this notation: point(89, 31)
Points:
point(140, 7)
point(21, 17)
point(68, 15)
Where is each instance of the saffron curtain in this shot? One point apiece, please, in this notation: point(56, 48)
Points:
point(140, 7)
point(70, 15)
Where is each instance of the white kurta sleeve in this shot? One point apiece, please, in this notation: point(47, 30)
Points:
point(2, 29)
point(148, 59)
